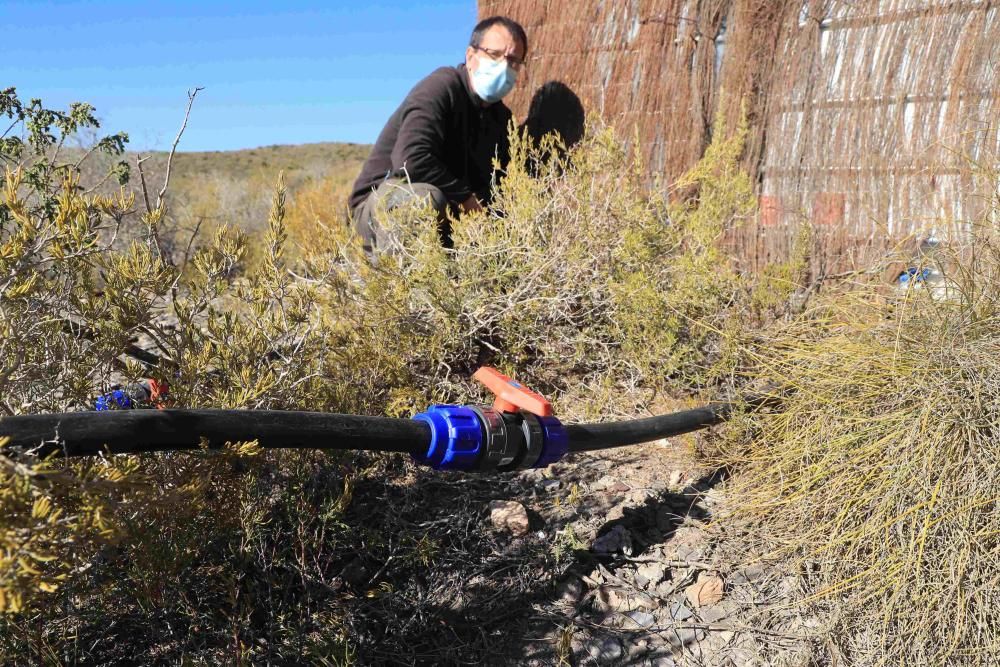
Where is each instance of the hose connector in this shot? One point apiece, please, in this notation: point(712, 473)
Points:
point(543, 436)
point(142, 394)
point(517, 432)
point(456, 438)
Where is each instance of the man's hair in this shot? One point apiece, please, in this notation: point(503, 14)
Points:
point(512, 26)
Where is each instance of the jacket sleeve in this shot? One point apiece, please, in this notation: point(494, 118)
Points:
point(420, 144)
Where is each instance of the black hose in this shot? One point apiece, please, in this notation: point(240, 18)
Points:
point(588, 437)
point(136, 431)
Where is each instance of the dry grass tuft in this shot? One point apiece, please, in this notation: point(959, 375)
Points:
point(877, 478)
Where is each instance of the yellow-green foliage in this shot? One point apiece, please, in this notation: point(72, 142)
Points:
point(876, 476)
point(577, 281)
point(49, 517)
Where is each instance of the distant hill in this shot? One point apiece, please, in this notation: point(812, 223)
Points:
point(298, 162)
point(236, 187)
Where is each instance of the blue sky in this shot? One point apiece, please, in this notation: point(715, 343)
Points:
point(273, 72)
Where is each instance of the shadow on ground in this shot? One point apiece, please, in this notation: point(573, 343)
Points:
point(442, 586)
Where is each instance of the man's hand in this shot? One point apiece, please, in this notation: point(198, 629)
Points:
point(471, 204)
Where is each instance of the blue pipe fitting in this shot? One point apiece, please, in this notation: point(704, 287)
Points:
point(117, 399)
point(555, 442)
point(456, 438)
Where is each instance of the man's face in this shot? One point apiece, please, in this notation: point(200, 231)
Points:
point(496, 41)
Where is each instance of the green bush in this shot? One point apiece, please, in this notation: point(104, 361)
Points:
point(577, 281)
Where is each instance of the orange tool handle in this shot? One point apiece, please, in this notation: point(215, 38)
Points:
point(511, 396)
point(158, 391)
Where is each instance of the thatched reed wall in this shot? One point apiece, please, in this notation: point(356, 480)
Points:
point(866, 115)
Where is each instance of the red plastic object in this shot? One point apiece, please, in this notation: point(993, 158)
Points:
point(511, 396)
point(158, 392)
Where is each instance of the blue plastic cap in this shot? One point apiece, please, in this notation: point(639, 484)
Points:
point(915, 274)
point(116, 400)
point(555, 443)
point(456, 438)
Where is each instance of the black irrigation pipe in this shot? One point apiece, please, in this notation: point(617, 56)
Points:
point(588, 437)
point(137, 431)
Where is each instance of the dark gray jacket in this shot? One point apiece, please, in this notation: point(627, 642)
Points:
point(442, 135)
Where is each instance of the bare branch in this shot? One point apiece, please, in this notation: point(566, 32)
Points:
point(142, 181)
point(190, 243)
point(173, 149)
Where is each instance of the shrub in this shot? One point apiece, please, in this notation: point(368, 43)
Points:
point(577, 281)
point(875, 480)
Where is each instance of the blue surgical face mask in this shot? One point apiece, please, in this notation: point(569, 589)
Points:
point(493, 79)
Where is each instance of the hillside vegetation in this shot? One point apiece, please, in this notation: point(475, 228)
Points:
point(867, 482)
point(284, 556)
point(236, 186)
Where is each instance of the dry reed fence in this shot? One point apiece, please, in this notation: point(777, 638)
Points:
point(875, 482)
point(867, 119)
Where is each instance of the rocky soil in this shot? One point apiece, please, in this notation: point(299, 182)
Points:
point(655, 581)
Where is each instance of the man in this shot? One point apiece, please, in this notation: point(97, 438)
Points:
point(440, 143)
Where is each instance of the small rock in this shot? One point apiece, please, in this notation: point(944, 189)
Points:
point(717, 612)
point(713, 496)
point(638, 647)
point(610, 599)
point(708, 590)
point(509, 515)
point(594, 579)
point(653, 573)
point(604, 651)
point(664, 443)
point(570, 590)
point(681, 637)
point(675, 478)
point(691, 553)
point(532, 475)
point(637, 497)
point(615, 513)
point(619, 487)
point(616, 539)
point(688, 544)
point(638, 620)
point(748, 574)
point(580, 647)
point(716, 642)
point(679, 612)
point(551, 485)
point(663, 661)
point(664, 589)
point(603, 483)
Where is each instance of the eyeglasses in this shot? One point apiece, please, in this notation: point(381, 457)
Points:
point(495, 55)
